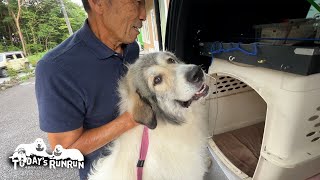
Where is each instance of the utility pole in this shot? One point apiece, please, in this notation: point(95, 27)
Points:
point(66, 17)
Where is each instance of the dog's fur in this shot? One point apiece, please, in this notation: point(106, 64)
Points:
point(177, 141)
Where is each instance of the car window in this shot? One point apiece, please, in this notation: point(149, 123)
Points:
point(19, 56)
point(1, 58)
point(9, 57)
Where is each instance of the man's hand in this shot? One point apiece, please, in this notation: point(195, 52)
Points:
point(90, 140)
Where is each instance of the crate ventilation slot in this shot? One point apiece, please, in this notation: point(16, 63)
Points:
point(313, 118)
point(315, 139)
point(227, 86)
point(314, 134)
point(310, 134)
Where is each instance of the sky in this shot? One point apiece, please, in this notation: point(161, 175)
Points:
point(77, 1)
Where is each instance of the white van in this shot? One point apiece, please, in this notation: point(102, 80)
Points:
point(12, 60)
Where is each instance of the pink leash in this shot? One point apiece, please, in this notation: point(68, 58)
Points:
point(143, 152)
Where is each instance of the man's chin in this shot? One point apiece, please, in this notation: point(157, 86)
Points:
point(133, 36)
point(130, 40)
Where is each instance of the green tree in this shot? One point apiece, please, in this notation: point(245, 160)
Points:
point(41, 23)
point(15, 10)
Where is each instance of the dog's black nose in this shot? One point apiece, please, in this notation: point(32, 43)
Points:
point(195, 75)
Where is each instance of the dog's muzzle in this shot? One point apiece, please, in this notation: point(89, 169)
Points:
point(202, 92)
point(195, 75)
point(57, 153)
point(39, 149)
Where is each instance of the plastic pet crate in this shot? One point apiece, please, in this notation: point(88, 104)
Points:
point(265, 123)
point(281, 33)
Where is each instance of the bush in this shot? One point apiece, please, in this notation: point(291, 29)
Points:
point(12, 72)
point(26, 70)
point(35, 47)
point(33, 59)
point(5, 48)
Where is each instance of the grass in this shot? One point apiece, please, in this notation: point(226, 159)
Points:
point(12, 72)
point(33, 59)
point(26, 77)
point(15, 79)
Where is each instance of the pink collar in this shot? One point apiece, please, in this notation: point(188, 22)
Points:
point(143, 152)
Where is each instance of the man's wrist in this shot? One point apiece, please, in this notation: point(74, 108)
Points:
point(129, 121)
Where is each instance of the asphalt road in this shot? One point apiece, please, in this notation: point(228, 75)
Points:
point(19, 125)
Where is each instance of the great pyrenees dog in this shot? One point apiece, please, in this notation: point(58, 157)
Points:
point(60, 153)
point(162, 93)
point(38, 148)
point(20, 154)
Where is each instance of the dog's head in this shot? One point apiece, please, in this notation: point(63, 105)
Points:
point(58, 148)
point(39, 144)
point(160, 86)
point(21, 151)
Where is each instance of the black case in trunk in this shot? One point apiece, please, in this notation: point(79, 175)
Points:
point(292, 59)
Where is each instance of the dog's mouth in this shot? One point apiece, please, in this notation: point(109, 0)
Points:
point(203, 91)
point(57, 153)
point(39, 149)
point(21, 152)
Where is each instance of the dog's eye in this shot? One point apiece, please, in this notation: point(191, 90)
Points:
point(171, 61)
point(157, 80)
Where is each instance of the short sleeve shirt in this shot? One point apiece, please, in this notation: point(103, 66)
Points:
point(76, 85)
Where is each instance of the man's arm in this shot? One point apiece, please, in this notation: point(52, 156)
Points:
point(62, 109)
point(88, 141)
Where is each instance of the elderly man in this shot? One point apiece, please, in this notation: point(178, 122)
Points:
point(76, 81)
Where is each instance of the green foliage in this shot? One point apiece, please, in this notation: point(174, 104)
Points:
point(12, 72)
point(33, 47)
point(4, 48)
point(26, 70)
point(33, 59)
point(42, 24)
point(25, 78)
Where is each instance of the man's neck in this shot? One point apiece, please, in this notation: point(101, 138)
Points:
point(104, 36)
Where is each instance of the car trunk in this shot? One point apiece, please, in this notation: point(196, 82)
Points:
point(191, 22)
point(237, 122)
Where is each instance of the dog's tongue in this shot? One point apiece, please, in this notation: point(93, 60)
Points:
point(202, 92)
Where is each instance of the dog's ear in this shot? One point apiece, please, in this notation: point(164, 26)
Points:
point(142, 111)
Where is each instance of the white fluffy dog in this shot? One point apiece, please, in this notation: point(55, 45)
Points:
point(37, 148)
point(60, 153)
point(160, 92)
point(41, 148)
point(20, 154)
